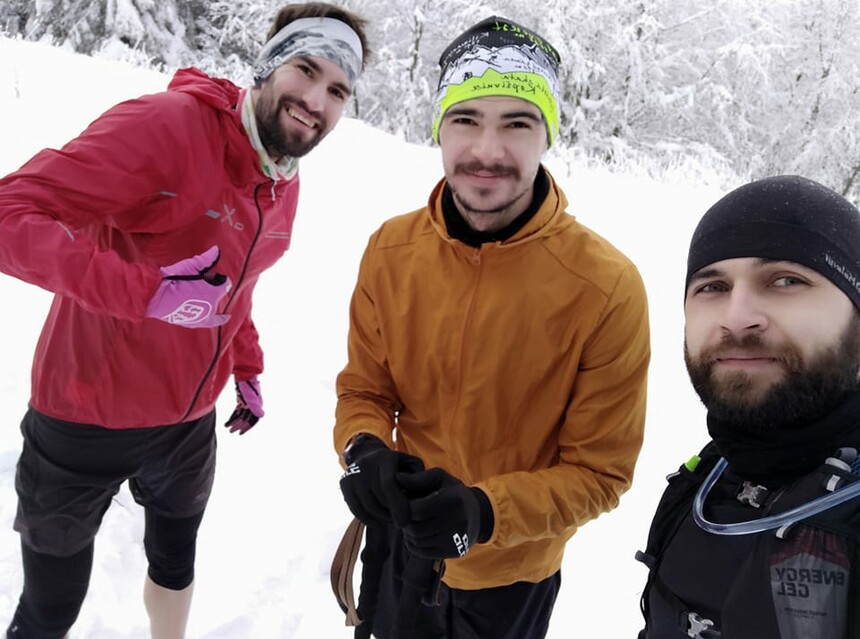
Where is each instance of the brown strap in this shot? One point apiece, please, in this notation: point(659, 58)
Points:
point(342, 568)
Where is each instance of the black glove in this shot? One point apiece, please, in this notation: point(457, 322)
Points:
point(447, 517)
point(369, 485)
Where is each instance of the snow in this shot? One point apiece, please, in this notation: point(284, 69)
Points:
point(276, 514)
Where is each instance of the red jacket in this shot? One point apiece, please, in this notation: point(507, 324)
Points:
point(152, 181)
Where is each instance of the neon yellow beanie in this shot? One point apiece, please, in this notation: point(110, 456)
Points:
point(498, 57)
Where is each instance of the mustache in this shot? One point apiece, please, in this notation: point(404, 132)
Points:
point(753, 345)
point(287, 101)
point(496, 170)
point(750, 342)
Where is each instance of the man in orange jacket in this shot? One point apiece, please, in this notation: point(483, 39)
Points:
point(500, 345)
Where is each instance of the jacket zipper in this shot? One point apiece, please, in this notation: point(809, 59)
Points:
point(476, 260)
point(230, 301)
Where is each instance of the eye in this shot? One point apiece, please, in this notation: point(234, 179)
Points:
point(714, 286)
point(337, 93)
point(461, 119)
point(520, 124)
point(306, 69)
point(784, 281)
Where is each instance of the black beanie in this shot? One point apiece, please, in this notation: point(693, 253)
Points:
point(786, 217)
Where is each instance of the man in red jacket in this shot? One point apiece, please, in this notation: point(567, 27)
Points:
point(152, 228)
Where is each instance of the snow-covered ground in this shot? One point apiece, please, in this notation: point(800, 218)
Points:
point(276, 514)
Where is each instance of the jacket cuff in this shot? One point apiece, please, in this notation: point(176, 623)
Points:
point(488, 519)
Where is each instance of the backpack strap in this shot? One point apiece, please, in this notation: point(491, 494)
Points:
point(674, 506)
point(689, 622)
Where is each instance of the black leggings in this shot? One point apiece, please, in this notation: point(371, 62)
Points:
point(171, 546)
point(55, 587)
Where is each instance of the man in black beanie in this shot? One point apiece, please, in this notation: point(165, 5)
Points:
point(772, 346)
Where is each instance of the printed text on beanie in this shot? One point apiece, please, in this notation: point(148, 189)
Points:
point(498, 57)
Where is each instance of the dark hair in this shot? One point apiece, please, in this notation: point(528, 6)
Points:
point(292, 12)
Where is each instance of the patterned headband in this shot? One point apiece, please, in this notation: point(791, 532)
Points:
point(326, 38)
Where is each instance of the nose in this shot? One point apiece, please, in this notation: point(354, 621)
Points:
point(744, 312)
point(487, 147)
point(315, 96)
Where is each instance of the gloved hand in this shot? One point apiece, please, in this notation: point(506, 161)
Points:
point(446, 516)
point(189, 293)
point(249, 406)
point(369, 486)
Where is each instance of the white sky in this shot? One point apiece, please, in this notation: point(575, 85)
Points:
point(276, 514)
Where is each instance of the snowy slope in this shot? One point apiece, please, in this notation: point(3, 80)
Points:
point(276, 514)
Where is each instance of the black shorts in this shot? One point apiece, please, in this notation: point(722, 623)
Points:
point(68, 473)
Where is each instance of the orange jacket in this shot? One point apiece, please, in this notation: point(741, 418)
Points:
point(519, 367)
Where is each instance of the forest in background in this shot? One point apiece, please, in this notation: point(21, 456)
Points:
point(742, 87)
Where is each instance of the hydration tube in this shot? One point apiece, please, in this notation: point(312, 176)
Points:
point(810, 508)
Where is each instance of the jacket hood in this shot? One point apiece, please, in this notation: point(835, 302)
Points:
point(225, 98)
point(218, 92)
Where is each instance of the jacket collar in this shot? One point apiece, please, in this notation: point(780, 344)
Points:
point(542, 222)
point(244, 163)
point(286, 167)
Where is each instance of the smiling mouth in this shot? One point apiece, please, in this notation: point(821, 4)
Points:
point(298, 116)
point(745, 360)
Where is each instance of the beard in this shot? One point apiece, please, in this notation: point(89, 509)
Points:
point(808, 391)
point(278, 141)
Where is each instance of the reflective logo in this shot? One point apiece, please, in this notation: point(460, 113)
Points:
point(189, 312)
point(462, 543)
point(352, 469)
point(226, 217)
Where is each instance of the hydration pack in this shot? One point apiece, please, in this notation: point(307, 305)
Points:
point(797, 581)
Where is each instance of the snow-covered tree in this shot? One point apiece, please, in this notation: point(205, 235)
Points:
point(756, 88)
